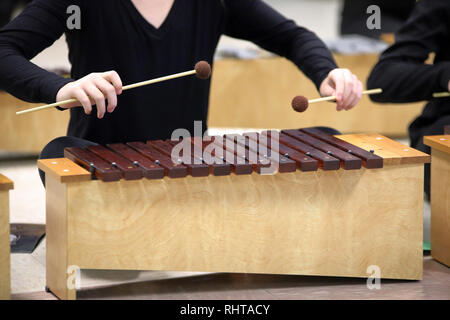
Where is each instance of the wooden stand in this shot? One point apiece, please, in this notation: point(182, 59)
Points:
point(329, 223)
point(440, 197)
point(5, 274)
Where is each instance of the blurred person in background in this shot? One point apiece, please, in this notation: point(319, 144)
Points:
point(404, 75)
point(7, 8)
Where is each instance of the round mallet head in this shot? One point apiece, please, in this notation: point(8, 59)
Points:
point(203, 70)
point(300, 103)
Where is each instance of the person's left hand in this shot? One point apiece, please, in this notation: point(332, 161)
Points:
point(345, 86)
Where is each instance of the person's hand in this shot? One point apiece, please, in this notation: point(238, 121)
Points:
point(345, 86)
point(95, 88)
point(449, 86)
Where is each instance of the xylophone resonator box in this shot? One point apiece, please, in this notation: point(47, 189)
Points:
point(5, 275)
point(440, 196)
point(333, 209)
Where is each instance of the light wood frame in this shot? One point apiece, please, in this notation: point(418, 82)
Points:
point(328, 223)
point(5, 264)
point(440, 197)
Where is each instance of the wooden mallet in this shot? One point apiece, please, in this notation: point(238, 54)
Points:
point(301, 103)
point(441, 95)
point(202, 70)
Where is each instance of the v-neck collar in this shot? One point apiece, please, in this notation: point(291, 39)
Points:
point(163, 27)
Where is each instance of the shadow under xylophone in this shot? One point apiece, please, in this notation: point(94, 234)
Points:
point(332, 206)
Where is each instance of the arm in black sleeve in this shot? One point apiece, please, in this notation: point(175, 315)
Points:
point(36, 28)
point(255, 21)
point(401, 71)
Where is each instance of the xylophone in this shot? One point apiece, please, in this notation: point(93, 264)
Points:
point(291, 202)
point(440, 197)
point(5, 282)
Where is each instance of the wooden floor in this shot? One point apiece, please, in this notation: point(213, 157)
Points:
point(435, 285)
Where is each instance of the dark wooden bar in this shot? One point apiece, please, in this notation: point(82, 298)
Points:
point(195, 170)
point(97, 166)
point(173, 170)
point(326, 162)
point(370, 160)
point(348, 161)
point(218, 168)
point(306, 149)
point(238, 167)
point(303, 162)
point(150, 169)
point(129, 170)
point(242, 151)
point(285, 164)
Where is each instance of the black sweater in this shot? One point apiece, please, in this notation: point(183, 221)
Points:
point(115, 36)
point(402, 72)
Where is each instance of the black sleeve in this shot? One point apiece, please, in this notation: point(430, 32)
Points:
point(401, 71)
point(36, 28)
point(255, 21)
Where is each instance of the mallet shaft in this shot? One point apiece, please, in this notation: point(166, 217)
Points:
point(333, 98)
point(128, 87)
point(441, 95)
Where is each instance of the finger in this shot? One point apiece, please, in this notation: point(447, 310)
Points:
point(348, 90)
point(83, 98)
point(98, 97)
point(108, 91)
point(356, 93)
point(353, 102)
point(114, 78)
point(339, 81)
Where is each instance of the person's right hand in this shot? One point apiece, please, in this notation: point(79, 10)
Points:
point(449, 86)
point(95, 88)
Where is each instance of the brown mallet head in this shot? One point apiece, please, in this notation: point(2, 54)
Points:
point(203, 70)
point(300, 103)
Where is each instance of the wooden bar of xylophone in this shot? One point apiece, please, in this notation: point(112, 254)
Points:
point(307, 150)
point(307, 204)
